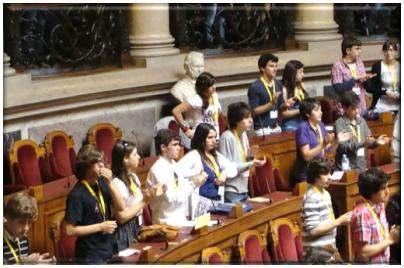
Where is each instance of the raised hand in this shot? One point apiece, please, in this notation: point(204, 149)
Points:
point(344, 218)
point(259, 162)
point(106, 174)
point(344, 136)
point(383, 139)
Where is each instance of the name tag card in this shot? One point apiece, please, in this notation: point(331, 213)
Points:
point(273, 114)
point(356, 90)
point(361, 152)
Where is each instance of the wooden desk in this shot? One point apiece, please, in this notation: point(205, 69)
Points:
point(344, 196)
point(187, 248)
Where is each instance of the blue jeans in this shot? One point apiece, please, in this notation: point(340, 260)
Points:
point(231, 197)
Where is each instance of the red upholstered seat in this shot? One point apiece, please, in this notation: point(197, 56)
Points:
point(223, 125)
point(252, 246)
point(214, 255)
point(147, 216)
point(27, 163)
point(286, 240)
point(64, 244)
point(173, 125)
point(104, 136)
point(266, 179)
point(60, 153)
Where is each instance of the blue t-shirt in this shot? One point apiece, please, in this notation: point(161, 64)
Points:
point(305, 134)
point(257, 96)
point(82, 209)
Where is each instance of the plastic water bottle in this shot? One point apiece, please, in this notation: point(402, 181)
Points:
point(345, 162)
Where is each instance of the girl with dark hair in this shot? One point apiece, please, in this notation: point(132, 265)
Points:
point(204, 107)
point(204, 160)
point(293, 93)
point(385, 86)
point(125, 159)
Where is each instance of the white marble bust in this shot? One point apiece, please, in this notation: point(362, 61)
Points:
point(194, 66)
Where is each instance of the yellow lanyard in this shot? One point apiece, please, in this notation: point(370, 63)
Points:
point(318, 132)
point(175, 182)
point(393, 75)
point(16, 257)
point(380, 228)
point(100, 198)
point(331, 211)
point(133, 187)
point(215, 109)
point(270, 88)
point(299, 94)
point(354, 70)
point(356, 133)
point(213, 166)
point(240, 148)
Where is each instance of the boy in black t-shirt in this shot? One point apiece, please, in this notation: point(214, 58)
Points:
point(88, 208)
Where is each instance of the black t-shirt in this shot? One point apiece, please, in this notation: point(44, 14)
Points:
point(82, 209)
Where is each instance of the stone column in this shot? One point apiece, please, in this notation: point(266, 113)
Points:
point(315, 23)
point(149, 31)
point(7, 70)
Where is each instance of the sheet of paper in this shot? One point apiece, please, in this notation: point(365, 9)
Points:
point(337, 175)
point(202, 221)
point(128, 252)
point(260, 199)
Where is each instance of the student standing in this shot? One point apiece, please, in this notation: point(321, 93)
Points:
point(319, 222)
point(263, 96)
point(370, 234)
point(234, 146)
point(351, 121)
point(88, 208)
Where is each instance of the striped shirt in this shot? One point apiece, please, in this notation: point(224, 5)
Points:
point(315, 211)
point(20, 247)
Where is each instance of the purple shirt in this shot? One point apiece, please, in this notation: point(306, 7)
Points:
point(305, 134)
point(340, 73)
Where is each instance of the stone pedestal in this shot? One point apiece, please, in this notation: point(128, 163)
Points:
point(315, 23)
point(149, 31)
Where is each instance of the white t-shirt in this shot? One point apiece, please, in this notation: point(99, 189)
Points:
point(128, 197)
point(171, 207)
point(385, 103)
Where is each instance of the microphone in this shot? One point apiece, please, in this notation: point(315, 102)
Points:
point(214, 207)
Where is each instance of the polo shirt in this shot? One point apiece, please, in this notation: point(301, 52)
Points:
point(305, 134)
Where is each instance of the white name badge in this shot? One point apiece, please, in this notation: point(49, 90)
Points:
point(273, 114)
point(356, 90)
point(361, 152)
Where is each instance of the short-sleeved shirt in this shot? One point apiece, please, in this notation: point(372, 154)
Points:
point(20, 247)
point(341, 73)
point(364, 230)
point(306, 135)
point(351, 147)
point(257, 96)
point(82, 209)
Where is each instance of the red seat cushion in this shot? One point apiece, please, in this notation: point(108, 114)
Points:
point(105, 141)
point(264, 176)
point(29, 166)
point(215, 258)
point(287, 250)
point(62, 163)
point(253, 250)
point(65, 246)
